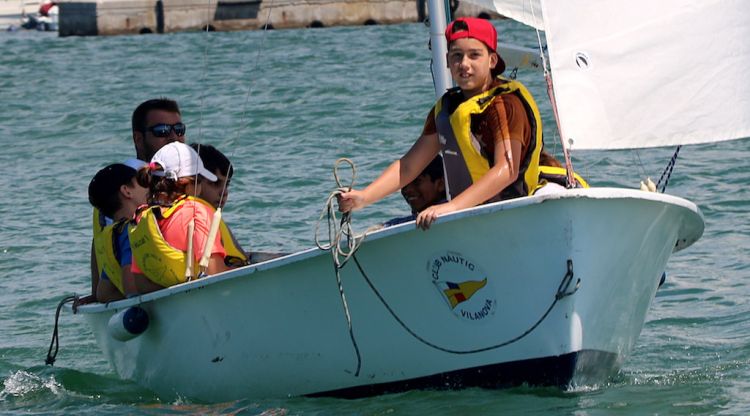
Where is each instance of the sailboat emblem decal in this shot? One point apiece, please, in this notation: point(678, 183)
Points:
point(461, 292)
point(466, 288)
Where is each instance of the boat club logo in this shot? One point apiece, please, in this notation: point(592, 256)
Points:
point(463, 284)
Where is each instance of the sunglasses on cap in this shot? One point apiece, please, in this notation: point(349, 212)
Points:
point(163, 130)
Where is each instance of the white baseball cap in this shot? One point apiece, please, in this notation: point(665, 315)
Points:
point(180, 160)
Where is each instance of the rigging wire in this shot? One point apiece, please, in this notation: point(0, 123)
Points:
point(243, 118)
point(251, 85)
point(551, 93)
point(201, 105)
point(204, 72)
point(638, 162)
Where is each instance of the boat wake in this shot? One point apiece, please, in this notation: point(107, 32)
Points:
point(21, 384)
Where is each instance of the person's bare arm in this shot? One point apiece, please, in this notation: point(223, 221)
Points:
point(490, 184)
point(94, 271)
point(128, 281)
point(395, 176)
point(216, 264)
point(144, 285)
point(107, 292)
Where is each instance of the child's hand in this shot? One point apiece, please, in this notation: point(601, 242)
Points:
point(82, 301)
point(429, 215)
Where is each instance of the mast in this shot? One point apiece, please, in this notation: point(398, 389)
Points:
point(438, 20)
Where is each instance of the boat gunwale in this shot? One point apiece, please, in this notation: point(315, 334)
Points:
point(592, 193)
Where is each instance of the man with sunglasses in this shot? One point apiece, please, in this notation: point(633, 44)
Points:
point(156, 122)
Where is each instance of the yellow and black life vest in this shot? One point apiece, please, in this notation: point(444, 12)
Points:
point(559, 176)
point(164, 264)
point(104, 240)
point(463, 156)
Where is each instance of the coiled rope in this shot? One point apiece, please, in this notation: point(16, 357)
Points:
point(55, 343)
point(337, 230)
point(342, 242)
point(341, 253)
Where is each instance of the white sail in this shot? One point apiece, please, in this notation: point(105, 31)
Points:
point(528, 12)
point(647, 74)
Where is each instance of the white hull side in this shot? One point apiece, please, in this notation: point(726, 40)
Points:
point(279, 328)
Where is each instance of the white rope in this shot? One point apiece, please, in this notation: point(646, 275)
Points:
point(343, 242)
point(189, 256)
point(208, 247)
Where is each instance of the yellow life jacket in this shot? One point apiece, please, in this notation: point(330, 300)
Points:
point(162, 263)
point(236, 256)
point(559, 176)
point(104, 239)
point(462, 154)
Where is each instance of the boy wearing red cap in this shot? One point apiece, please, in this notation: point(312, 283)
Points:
point(488, 129)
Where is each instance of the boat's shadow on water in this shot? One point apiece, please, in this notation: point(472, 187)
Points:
point(472, 401)
point(44, 389)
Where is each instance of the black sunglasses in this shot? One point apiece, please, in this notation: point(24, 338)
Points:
point(163, 130)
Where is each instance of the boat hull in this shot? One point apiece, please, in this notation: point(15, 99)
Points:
point(485, 298)
point(547, 371)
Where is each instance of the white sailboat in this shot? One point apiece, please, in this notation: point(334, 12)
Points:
point(560, 299)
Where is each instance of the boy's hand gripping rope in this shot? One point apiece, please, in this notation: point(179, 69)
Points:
point(337, 230)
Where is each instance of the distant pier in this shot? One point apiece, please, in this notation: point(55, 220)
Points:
point(117, 17)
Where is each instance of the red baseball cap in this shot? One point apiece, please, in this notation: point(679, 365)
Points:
point(479, 29)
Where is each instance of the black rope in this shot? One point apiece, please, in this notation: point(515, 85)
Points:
point(55, 339)
point(562, 292)
point(668, 170)
point(337, 267)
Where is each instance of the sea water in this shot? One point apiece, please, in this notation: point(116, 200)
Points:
point(284, 105)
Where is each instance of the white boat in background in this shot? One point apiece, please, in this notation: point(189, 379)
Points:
point(46, 19)
point(544, 290)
